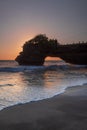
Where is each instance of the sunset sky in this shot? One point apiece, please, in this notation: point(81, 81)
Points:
point(21, 20)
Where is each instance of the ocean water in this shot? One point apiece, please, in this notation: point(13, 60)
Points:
point(21, 84)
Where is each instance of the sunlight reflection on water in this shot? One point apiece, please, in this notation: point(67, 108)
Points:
point(37, 84)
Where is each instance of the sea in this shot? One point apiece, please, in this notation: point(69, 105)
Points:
point(23, 84)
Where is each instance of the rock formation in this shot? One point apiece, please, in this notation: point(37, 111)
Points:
point(37, 49)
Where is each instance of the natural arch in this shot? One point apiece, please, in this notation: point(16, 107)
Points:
point(37, 49)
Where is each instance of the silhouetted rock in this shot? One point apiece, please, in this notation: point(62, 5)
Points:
point(37, 49)
point(74, 53)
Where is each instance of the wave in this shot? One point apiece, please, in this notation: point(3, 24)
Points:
point(19, 68)
point(2, 85)
point(43, 68)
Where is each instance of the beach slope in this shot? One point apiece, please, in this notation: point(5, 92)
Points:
point(67, 111)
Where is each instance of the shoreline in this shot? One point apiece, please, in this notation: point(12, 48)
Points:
point(62, 92)
point(66, 111)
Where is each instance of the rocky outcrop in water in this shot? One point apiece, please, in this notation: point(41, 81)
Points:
point(37, 49)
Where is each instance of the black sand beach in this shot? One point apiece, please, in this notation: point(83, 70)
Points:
point(67, 111)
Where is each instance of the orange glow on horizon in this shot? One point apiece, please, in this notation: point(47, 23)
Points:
point(10, 51)
point(52, 58)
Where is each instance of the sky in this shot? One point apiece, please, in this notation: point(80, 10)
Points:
point(21, 20)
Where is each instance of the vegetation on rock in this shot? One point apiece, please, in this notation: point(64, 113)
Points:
point(36, 49)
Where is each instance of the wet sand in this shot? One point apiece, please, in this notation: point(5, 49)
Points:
point(67, 111)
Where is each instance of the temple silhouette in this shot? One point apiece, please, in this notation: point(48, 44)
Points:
point(37, 49)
